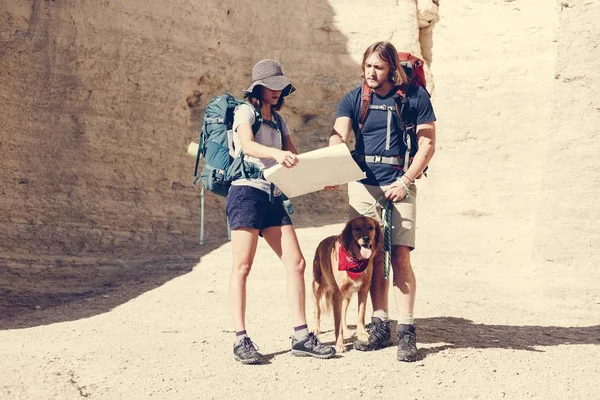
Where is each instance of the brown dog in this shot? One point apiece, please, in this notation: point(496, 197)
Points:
point(342, 266)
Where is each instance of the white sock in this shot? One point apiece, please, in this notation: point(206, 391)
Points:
point(300, 332)
point(381, 314)
point(406, 319)
point(239, 336)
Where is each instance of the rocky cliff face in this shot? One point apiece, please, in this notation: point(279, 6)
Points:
point(100, 100)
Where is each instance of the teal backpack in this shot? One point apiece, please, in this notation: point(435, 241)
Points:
point(215, 146)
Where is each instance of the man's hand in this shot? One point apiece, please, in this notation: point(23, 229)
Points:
point(286, 158)
point(398, 191)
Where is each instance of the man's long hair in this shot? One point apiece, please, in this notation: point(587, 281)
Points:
point(388, 53)
point(255, 98)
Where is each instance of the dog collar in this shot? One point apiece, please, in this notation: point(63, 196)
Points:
point(353, 266)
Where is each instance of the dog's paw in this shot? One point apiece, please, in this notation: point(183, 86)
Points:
point(363, 336)
point(349, 333)
point(340, 348)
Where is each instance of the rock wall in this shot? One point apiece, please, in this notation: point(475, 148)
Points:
point(568, 214)
point(100, 99)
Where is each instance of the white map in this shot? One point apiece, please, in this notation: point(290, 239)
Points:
point(316, 169)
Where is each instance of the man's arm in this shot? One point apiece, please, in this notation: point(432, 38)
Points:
point(340, 134)
point(426, 140)
point(341, 131)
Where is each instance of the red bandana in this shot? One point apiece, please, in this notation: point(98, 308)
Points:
point(350, 264)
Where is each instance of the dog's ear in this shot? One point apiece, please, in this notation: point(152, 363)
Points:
point(347, 237)
point(378, 235)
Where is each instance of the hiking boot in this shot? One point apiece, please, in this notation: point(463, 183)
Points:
point(407, 345)
point(246, 352)
point(311, 346)
point(380, 336)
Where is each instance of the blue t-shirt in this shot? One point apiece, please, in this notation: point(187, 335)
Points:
point(372, 139)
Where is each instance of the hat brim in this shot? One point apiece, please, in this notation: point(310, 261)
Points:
point(279, 82)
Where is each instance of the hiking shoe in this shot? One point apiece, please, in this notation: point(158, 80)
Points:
point(246, 352)
point(407, 346)
point(380, 336)
point(311, 346)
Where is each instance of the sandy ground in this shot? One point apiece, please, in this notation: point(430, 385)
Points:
point(483, 335)
point(493, 320)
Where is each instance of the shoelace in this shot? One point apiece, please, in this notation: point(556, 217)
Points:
point(376, 331)
point(249, 345)
point(412, 338)
point(314, 341)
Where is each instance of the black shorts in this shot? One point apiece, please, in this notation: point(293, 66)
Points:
point(248, 207)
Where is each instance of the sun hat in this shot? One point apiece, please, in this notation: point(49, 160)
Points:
point(268, 73)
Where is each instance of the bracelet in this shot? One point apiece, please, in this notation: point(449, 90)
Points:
point(406, 189)
point(410, 180)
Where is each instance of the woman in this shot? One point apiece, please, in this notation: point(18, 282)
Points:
point(256, 208)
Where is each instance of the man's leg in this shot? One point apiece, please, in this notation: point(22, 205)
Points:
point(362, 200)
point(379, 329)
point(404, 295)
point(380, 286)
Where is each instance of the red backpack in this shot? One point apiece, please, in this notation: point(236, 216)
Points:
point(413, 66)
point(415, 72)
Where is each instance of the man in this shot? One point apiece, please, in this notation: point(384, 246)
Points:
point(381, 150)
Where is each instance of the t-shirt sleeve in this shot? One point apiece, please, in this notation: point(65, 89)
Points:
point(345, 107)
point(425, 113)
point(244, 114)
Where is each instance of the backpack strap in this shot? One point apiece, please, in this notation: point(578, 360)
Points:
point(257, 120)
point(279, 126)
point(366, 96)
point(199, 154)
point(408, 128)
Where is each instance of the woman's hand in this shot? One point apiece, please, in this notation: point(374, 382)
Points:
point(286, 158)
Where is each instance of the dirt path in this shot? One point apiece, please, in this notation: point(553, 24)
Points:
point(494, 320)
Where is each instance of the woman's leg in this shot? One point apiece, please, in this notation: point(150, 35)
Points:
point(243, 242)
point(284, 242)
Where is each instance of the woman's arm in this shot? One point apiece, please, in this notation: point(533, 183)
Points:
point(252, 148)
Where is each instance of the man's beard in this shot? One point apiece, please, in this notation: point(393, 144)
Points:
point(374, 84)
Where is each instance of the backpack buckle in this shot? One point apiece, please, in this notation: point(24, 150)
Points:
point(377, 159)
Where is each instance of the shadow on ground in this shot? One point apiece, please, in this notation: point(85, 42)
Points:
point(457, 333)
point(71, 290)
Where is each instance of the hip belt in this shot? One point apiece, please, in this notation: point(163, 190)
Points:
point(398, 160)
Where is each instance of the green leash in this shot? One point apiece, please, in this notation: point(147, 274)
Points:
point(387, 234)
point(387, 239)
